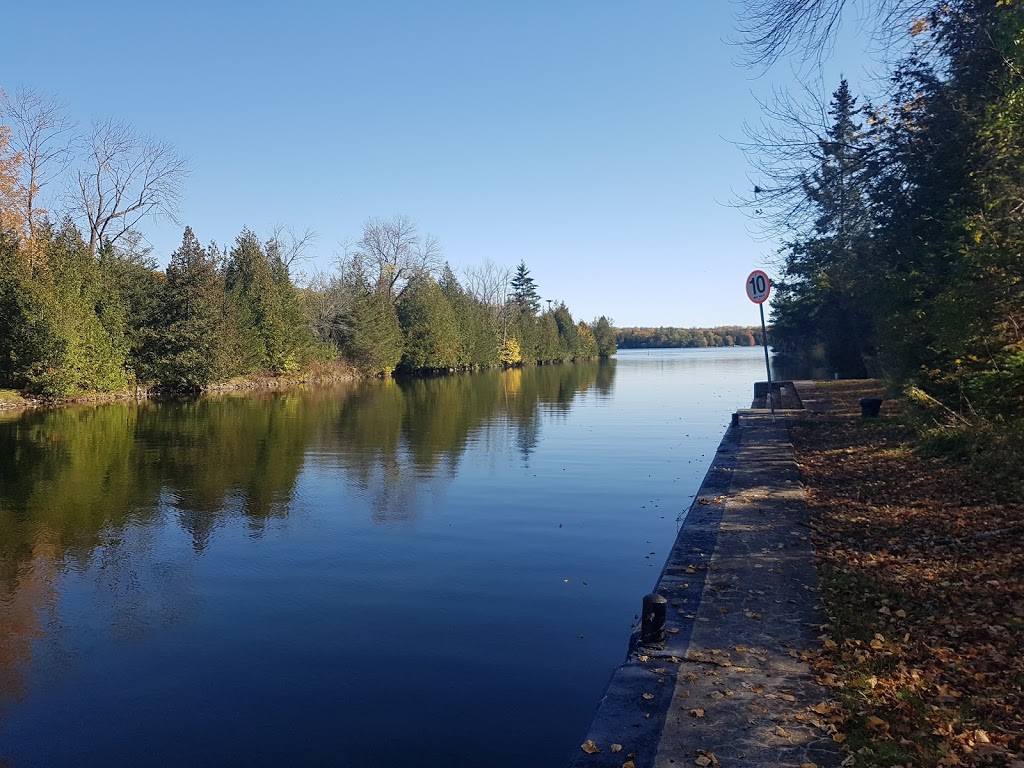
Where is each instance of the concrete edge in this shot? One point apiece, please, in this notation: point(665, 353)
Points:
point(625, 714)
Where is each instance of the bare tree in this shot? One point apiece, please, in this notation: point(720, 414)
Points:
point(395, 250)
point(326, 300)
point(42, 133)
point(489, 284)
point(780, 150)
point(772, 29)
point(126, 177)
point(290, 246)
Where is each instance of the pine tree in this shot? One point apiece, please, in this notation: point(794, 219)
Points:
point(818, 301)
point(524, 291)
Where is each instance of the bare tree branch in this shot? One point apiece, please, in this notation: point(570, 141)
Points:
point(126, 177)
point(393, 248)
point(489, 284)
point(772, 29)
point(42, 133)
point(781, 152)
point(292, 247)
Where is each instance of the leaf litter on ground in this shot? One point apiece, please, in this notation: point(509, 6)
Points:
point(922, 573)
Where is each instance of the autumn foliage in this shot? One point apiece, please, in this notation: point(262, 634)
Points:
point(12, 192)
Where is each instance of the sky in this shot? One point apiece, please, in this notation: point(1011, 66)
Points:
point(593, 141)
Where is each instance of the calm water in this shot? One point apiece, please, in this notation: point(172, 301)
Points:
point(430, 573)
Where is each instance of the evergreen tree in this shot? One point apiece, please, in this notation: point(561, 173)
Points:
point(479, 344)
point(60, 330)
point(524, 291)
point(271, 319)
point(429, 327)
point(818, 302)
point(549, 342)
point(605, 336)
point(568, 333)
point(194, 344)
point(134, 298)
point(366, 329)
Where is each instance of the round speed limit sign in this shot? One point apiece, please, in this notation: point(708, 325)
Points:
point(758, 286)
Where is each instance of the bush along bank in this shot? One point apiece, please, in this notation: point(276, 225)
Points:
point(75, 324)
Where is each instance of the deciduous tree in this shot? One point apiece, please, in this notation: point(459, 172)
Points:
point(395, 251)
point(42, 133)
point(125, 177)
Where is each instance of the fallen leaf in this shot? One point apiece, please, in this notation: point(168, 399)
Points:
point(590, 747)
point(877, 723)
point(697, 712)
point(615, 747)
point(648, 696)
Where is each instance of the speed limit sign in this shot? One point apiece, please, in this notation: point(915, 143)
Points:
point(758, 286)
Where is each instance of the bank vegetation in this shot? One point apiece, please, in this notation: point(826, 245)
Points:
point(86, 310)
point(902, 215)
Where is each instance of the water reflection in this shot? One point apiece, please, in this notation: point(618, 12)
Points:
point(126, 496)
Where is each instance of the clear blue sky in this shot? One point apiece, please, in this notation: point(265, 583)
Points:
point(589, 139)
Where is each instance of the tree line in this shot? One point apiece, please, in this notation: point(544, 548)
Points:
point(722, 336)
point(84, 306)
point(904, 215)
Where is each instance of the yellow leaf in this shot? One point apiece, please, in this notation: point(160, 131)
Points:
point(697, 712)
point(629, 764)
point(615, 747)
point(838, 738)
point(590, 747)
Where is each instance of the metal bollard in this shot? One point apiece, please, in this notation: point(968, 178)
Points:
point(652, 620)
point(735, 419)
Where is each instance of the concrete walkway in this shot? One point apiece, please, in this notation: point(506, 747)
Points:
point(731, 685)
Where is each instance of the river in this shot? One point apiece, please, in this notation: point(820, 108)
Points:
point(437, 572)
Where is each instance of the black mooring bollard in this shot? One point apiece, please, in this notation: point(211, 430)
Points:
point(870, 406)
point(735, 419)
point(652, 620)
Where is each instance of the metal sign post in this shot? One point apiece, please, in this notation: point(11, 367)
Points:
point(759, 285)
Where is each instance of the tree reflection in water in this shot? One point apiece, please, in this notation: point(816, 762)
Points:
point(106, 491)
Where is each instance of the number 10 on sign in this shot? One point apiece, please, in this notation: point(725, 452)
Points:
point(759, 285)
